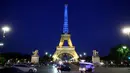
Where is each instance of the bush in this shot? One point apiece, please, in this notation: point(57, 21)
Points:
point(2, 60)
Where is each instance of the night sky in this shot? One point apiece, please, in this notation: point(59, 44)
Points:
point(93, 24)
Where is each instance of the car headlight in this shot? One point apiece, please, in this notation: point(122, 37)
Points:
point(35, 69)
point(84, 69)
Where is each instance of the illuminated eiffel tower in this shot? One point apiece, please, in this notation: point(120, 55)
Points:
point(70, 49)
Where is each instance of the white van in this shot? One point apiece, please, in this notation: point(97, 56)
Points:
point(86, 67)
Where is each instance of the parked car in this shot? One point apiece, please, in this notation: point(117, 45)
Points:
point(25, 68)
point(34, 65)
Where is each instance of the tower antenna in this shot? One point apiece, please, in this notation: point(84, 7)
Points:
point(65, 26)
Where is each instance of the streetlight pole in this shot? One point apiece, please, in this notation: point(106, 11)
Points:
point(126, 31)
point(5, 29)
point(1, 45)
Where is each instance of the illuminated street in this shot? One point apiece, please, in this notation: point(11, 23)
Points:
point(50, 69)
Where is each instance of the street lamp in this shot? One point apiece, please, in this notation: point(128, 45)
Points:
point(50, 55)
point(5, 29)
point(126, 31)
point(1, 44)
point(84, 54)
point(124, 47)
point(80, 55)
point(46, 53)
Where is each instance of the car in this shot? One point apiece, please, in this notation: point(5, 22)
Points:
point(11, 70)
point(25, 68)
point(8, 65)
point(65, 68)
point(86, 67)
point(33, 65)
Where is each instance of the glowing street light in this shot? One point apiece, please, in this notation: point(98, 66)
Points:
point(50, 55)
point(124, 47)
point(80, 55)
point(84, 54)
point(46, 53)
point(5, 29)
point(126, 31)
point(1, 44)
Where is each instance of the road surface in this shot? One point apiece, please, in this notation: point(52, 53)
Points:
point(51, 69)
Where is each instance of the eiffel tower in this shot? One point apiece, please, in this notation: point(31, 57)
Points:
point(66, 36)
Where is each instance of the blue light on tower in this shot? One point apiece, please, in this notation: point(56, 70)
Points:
point(65, 27)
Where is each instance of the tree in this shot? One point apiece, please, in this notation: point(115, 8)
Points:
point(123, 52)
point(2, 60)
point(46, 58)
point(119, 52)
point(15, 56)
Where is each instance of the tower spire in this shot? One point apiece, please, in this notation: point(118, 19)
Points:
point(65, 26)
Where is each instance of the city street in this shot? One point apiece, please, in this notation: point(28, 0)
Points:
point(50, 69)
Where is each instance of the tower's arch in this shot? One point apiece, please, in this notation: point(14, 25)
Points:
point(70, 51)
point(65, 56)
